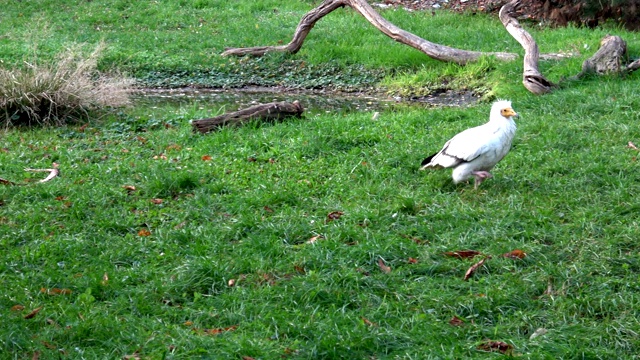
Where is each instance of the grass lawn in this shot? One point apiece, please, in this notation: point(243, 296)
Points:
point(316, 237)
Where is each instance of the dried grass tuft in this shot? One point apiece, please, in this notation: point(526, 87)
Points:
point(60, 92)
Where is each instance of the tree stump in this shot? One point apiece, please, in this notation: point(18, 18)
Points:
point(270, 112)
point(609, 59)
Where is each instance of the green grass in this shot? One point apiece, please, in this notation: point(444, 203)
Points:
point(566, 195)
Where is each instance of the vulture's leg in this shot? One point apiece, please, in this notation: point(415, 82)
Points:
point(480, 177)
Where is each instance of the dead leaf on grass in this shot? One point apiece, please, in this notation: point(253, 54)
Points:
point(383, 267)
point(157, 201)
point(334, 215)
point(219, 330)
point(33, 313)
point(474, 267)
point(129, 188)
point(134, 356)
point(368, 322)
point(17, 307)
point(515, 254)
point(456, 321)
point(412, 260)
point(538, 332)
point(463, 254)
point(55, 291)
point(144, 232)
point(206, 158)
point(500, 346)
point(631, 145)
point(313, 239)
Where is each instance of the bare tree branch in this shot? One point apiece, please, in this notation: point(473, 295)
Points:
point(435, 51)
point(532, 79)
point(52, 172)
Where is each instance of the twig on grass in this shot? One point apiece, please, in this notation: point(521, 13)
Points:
point(52, 172)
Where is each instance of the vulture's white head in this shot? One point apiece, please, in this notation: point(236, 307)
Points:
point(502, 110)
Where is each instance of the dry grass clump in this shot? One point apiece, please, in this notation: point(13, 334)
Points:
point(60, 92)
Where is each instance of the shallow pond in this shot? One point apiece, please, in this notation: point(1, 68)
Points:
point(314, 102)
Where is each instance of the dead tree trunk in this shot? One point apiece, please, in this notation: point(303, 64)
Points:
point(609, 58)
point(435, 51)
point(271, 112)
point(532, 79)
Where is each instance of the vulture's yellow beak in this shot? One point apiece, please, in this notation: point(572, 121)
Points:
point(508, 112)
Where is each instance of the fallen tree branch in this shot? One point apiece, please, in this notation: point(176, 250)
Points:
point(532, 79)
point(435, 51)
point(52, 172)
point(266, 112)
point(6, 182)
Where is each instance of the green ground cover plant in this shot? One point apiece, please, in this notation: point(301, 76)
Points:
point(316, 237)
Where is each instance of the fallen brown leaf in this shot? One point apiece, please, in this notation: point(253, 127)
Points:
point(206, 158)
point(500, 346)
point(313, 239)
point(144, 232)
point(157, 201)
point(474, 267)
point(17, 307)
point(456, 321)
point(55, 291)
point(515, 254)
point(412, 260)
point(32, 314)
point(219, 330)
point(129, 188)
point(383, 267)
point(334, 215)
point(267, 209)
point(632, 146)
point(368, 322)
point(463, 254)
point(36, 355)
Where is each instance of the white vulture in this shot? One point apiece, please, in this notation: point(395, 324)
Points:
point(475, 151)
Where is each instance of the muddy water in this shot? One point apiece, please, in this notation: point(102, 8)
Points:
point(313, 102)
